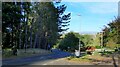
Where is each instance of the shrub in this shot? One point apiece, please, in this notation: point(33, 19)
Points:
point(69, 43)
point(90, 49)
point(7, 52)
point(71, 57)
point(98, 47)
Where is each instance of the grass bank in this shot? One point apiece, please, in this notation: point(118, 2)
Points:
point(95, 58)
point(7, 53)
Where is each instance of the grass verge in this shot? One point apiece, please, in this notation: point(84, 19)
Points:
point(7, 53)
point(94, 58)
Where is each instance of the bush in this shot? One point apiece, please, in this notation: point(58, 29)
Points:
point(89, 52)
point(7, 52)
point(69, 43)
point(71, 57)
point(83, 49)
point(90, 49)
point(98, 47)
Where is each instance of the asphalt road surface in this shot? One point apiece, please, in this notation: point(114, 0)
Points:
point(56, 58)
point(37, 60)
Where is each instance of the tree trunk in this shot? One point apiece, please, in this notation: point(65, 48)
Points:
point(35, 40)
point(25, 46)
point(20, 38)
point(30, 39)
point(31, 28)
point(25, 39)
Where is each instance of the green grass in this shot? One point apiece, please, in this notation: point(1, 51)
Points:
point(81, 59)
point(96, 56)
point(7, 53)
point(106, 53)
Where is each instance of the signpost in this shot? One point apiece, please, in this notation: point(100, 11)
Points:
point(79, 43)
point(79, 47)
point(77, 52)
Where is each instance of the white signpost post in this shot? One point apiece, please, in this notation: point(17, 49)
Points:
point(77, 52)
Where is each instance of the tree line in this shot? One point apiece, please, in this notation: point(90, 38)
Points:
point(111, 34)
point(70, 41)
point(32, 24)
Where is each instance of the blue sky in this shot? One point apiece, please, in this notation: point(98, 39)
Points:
point(94, 15)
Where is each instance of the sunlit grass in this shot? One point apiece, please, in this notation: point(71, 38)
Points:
point(83, 59)
point(95, 57)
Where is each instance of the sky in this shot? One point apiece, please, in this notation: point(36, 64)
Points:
point(90, 17)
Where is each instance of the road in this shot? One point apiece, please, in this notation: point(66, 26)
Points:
point(56, 58)
point(37, 60)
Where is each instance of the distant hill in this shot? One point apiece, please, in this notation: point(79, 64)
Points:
point(91, 33)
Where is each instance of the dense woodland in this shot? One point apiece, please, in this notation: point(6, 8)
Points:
point(32, 24)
